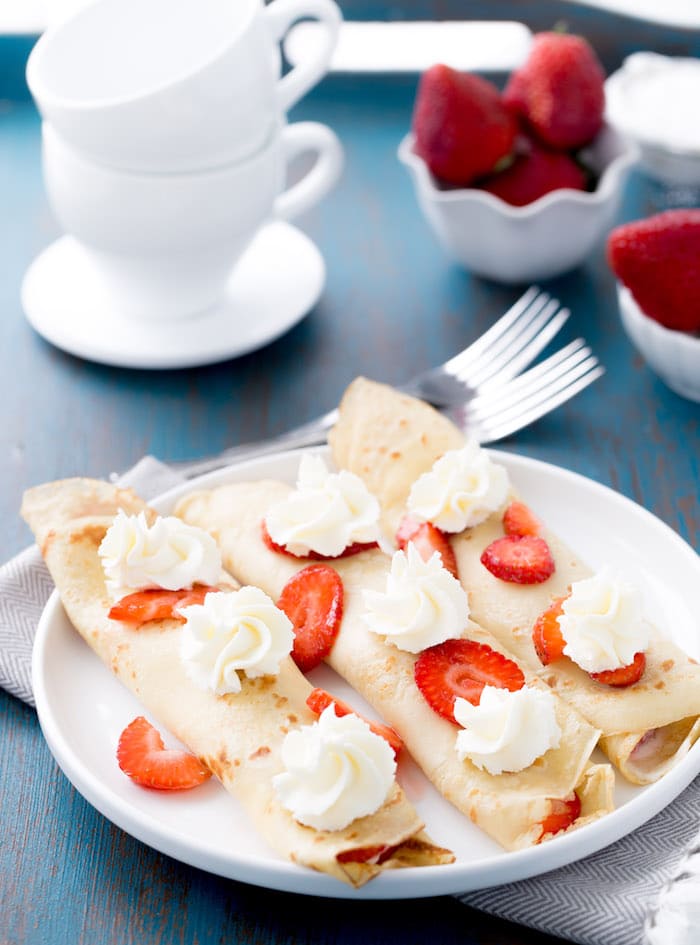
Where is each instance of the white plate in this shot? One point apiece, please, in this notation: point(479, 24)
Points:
point(83, 708)
point(274, 285)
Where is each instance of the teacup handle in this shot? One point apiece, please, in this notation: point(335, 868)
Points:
point(297, 139)
point(281, 15)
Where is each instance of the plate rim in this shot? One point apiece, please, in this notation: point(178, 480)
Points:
point(413, 882)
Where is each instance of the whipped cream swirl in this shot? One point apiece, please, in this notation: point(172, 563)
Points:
point(461, 490)
point(423, 604)
point(336, 771)
point(234, 632)
point(326, 513)
point(603, 623)
point(507, 731)
point(168, 554)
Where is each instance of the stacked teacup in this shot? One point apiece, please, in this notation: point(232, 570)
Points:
point(165, 145)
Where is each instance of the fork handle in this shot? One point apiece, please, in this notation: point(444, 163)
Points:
point(312, 433)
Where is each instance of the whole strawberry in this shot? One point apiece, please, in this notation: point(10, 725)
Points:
point(559, 91)
point(658, 259)
point(534, 174)
point(461, 127)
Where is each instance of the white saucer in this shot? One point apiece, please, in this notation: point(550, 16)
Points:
point(275, 283)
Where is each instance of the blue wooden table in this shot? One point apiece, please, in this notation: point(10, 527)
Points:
point(392, 305)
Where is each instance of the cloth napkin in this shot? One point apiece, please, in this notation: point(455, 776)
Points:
point(642, 890)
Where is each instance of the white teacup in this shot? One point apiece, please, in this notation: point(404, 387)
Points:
point(165, 244)
point(170, 87)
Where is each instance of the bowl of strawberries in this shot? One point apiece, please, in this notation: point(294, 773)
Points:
point(519, 185)
point(657, 263)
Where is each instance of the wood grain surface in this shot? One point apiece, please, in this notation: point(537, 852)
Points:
point(392, 305)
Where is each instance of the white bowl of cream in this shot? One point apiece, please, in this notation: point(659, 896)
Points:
point(653, 100)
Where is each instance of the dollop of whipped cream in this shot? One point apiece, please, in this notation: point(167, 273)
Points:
point(326, 512)
point(507, 731)
point(168, 554)
point(336, 771)
point(423, 604)
point(234, 632)
point(603, 623)
point(461, 490)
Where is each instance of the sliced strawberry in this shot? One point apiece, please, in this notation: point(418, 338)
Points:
point(519, 520)
point(157, 604)
point(313, 601)
point(427, 539)
point(319, 699)
point(354, 549)
point(374, 855)
point(519, 559)
point(145, 759)
point(625, 676)
point(462, 668)
point(562, 815)
point(546, 634)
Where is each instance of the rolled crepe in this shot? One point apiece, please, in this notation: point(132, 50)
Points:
point(390, 439)
point(238, 736)
point(509, 807)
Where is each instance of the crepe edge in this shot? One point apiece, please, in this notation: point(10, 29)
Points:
point(676, 740)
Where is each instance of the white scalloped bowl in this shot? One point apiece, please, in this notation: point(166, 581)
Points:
point(524, 244)
point(673, 355)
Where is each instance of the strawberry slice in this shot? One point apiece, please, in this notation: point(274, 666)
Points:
point(546, 634)
point(519, 520)
point(462, 668)
point(428, 539)
point(319, 699)
point(625, 675)
point(145, 759)
point(354, 549)
point(562, 815)
point(374, 855)
point(157, 604)
point(519, 559)
point(313, 601)
point(549, 646)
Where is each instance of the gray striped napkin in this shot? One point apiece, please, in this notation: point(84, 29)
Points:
point(643, 889)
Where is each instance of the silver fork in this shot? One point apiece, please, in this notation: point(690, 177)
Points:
point(498, 412)
point(495, 358)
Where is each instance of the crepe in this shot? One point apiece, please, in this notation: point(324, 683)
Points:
point(389, 439)
point(237, 736)
point(509, 807)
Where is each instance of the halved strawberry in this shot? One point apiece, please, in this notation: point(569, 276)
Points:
point(519, 559)
point(313, 601)
point(519, 520)
point(145, 759)
point(319, 699)
point(546, 634)
point(462, 668)
point(354, 549)
point(157, 604)
point(427, 539)
point(625, 676)
point(562, 815)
